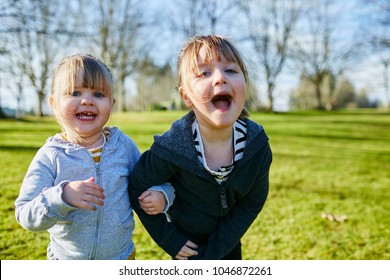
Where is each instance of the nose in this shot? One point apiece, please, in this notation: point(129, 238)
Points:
point(219, 77)
point(87, 100)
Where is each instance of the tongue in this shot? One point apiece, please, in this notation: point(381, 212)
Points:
point(221, 104)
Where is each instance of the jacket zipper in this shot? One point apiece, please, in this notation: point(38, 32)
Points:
point(223, 197)
point(99, 210)
point(98, 214)
point(223, 190)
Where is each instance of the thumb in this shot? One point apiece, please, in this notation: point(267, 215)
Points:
point(144, 194)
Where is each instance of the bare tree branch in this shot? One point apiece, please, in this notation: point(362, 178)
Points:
point(271, 25)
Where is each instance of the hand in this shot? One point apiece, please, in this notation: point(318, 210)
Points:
point(187, 251)
point(152, 202)
point(83, 194)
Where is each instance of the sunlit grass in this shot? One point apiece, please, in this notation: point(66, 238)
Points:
point(335, 163)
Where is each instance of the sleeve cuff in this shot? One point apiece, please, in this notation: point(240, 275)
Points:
point(55, 205)
point(169, 193)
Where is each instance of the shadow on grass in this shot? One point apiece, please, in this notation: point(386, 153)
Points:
point(306, 135)
point(19, 148)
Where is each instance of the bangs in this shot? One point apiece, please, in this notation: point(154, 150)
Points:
point(215, 47)
point(93, 75)
point(81, 71)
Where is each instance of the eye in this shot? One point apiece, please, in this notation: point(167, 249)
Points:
point(75, 93)
point(231, 71)
point(98, 94)
point(203, 74)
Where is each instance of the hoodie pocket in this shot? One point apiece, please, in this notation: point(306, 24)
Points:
point(126, 218)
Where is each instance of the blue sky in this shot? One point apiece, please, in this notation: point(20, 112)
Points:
point(366, 74)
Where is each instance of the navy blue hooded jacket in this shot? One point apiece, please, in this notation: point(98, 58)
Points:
point(211, 215)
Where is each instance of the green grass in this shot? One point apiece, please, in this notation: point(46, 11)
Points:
point(336, 163)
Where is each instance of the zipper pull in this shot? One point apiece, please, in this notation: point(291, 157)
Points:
point(97, 168)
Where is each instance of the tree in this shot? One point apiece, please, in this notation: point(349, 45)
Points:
point(36, 38)
point(362, 100)
point(380, 39)
point(323, 48)
point(345, 94)
point(271, 25)
point(119, 23)
point(8, 15)
point(338, 90)
point(155, 87)
point(304, 97)
point(195, 17)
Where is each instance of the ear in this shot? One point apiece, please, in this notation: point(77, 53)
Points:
point(187, 101)
point(51, 100)
point(53, 105)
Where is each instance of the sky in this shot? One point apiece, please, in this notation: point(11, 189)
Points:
point(366, 74)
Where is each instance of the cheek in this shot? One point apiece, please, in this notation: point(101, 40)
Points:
point(187, 101)
point(240, 89)
point(243, 91)
point(201, 92)
point(105, 109)
point(66, 108)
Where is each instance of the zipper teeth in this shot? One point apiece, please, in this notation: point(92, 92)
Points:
point(98, 210)
point(223, 198)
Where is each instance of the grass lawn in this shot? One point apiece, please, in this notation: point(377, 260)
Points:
point(326, 165)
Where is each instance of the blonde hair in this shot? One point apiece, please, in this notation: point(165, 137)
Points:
point(215, 46)
point(84, 68)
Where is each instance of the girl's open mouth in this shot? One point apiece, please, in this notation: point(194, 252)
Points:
point(222, 101)
point(86, 116)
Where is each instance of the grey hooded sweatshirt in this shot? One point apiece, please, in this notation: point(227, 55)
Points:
point(77, 233)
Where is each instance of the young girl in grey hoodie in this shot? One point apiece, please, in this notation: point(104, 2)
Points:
point(76, 187)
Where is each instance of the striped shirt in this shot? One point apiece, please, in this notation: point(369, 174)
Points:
point(239, 140)
point(95, 152)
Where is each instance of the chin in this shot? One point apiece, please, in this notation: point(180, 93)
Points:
point(224, 123)
point(227, 116)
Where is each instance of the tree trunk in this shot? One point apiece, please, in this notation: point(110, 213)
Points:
point(386, 82)
point(318, 96)
point(41, 98)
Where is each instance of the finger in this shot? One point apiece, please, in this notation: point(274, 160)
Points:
point(178, 257)
point(98, 192)
point(87, 206)
point(188, 252)
point(149, 210)
point(146, 205)
point(92, 199)
point(94, 186)
point(91, 183)
point(144, 202)
point(144, 194)
point(191, 244)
